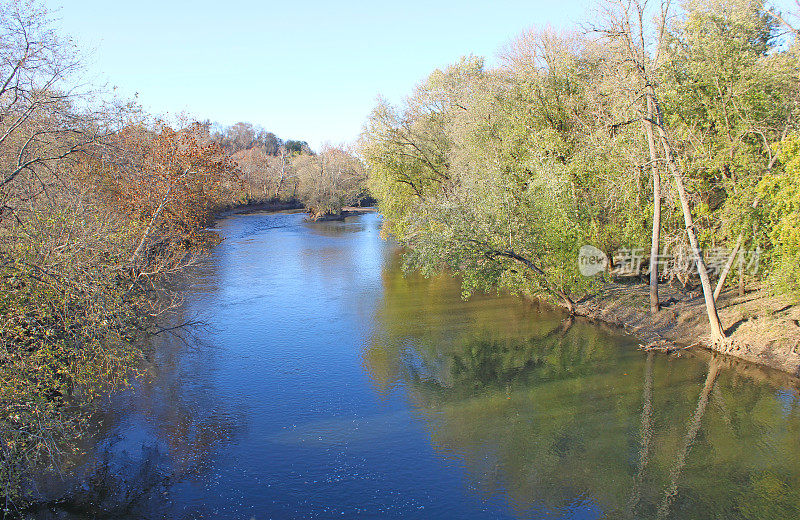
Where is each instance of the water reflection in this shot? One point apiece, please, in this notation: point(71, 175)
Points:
point(161, 433)
point(337, 228)
point(564, 418)
point(330, 385)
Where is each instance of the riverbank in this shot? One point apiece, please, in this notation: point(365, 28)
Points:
point(348, 211)
point(242, 209)
point(763, 329)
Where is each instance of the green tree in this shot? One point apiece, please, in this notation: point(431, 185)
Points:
point(780, 191)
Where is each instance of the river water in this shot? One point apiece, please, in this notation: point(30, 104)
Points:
point(327, 384)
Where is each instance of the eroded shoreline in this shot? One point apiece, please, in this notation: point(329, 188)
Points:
point(763, 329)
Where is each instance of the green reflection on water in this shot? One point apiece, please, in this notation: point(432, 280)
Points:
point(549, 412)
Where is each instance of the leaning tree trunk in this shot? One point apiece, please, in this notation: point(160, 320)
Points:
point(727, 268)
point(729, 263)
point(656, 238)
point(150, 225)
point(568, 303)
point(717, 333)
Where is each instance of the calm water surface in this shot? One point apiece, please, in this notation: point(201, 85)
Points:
point(328, 385)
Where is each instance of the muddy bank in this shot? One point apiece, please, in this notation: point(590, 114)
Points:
point(346, 212)
point(763, 329)
point(242, 209)
point(261, 206)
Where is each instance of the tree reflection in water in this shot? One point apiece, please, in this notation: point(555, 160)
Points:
point(560, 416)
point(155, 436)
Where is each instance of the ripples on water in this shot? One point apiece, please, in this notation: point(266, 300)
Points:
point(327, 384)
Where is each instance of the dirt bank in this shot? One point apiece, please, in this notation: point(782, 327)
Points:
point(764, 329)
point(348, 211)
point(261, 206)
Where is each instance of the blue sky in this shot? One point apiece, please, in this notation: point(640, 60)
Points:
point(305, 70)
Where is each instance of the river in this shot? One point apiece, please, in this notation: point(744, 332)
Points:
point(326, 384)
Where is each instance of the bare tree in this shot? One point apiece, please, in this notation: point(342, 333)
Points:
point(44, 114)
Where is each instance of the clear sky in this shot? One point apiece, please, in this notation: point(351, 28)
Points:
point(307, 70)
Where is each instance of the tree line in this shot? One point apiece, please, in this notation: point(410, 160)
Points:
point(273, 170)
point(667, 130)
point(103, 207)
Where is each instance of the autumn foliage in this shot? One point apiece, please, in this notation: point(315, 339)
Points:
point(172, 181)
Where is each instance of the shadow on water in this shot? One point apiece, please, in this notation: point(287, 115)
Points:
point(334, 228)
point(563, 418)
point(153, 436)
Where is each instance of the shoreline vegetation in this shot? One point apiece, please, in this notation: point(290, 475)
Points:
point(765, 328)
point(268, 207)
point(103, 210)
point(500, 176)
point(663, 139)
point(347, 211)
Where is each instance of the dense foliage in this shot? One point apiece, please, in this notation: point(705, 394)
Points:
point(102, 209)
point(273, 170)
point(503, 174)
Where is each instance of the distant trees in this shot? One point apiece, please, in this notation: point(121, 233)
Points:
point(275, 170)
point(329, 180)
point(245, 136)
point(264, 177)
point(297, 147)
point(257, 153)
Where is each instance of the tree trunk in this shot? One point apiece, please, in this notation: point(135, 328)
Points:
point(717, 333)
point(656, 237)
point(151, 224)
point(283, 176)
point(568, 303)
point(729, 263)
point(691, 434)
point(724, 274)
